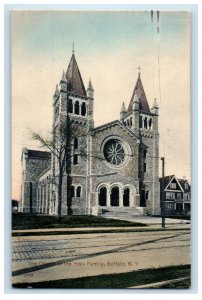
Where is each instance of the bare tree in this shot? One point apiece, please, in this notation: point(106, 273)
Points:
point(59, 144)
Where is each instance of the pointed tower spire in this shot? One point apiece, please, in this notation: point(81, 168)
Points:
point(140, 93)
point(74, 80)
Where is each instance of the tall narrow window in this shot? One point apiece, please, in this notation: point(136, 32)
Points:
point(145, 167)
point(145, 123)
point(147, 195)
point(83, 109)
point(75, 143)
point(140, 121)
point(131, 122)
point(70, 106)
point(76, 108)
point(150, 123)
point(72, 191)
point(128, 122)
point(145, 154)
point(75, 159)
point(78, 192)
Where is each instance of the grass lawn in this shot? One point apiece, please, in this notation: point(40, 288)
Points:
point(32, 221)
point(120, 280)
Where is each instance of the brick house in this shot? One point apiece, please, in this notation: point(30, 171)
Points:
point(176, 194)
point(120, 167)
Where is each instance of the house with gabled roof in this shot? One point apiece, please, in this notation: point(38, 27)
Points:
point(176, 195)
point(114, 167)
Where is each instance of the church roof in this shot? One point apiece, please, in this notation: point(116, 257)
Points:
point(74, 81)
point(139, 91)
point(36, 153)
point(111, 124)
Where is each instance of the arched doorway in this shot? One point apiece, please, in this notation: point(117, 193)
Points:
point(126, 197)
point(103, 196)
point(114, 196)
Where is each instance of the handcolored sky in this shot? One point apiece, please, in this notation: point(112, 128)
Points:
point(109, 46)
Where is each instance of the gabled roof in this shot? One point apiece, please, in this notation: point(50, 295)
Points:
point(111, 124)
point(139, 91)
point(168, 179)
point(182, 183)
point(74, 81)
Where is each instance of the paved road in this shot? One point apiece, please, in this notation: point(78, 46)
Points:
point(41, 258)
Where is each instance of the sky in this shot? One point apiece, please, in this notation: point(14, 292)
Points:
point(109, 47)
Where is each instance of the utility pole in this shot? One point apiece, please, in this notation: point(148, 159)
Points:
point(162, 195)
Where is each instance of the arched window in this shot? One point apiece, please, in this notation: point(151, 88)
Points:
point(75, 143)
point(150, 123)
point(72, 191)
point(145, 123)
point(70, 106)
point(78, 192)
point(83, 109)
point(103, 196)
point(76, 108)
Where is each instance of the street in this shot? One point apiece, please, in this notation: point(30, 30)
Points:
point(43, 258)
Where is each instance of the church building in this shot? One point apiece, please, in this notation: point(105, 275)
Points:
point(113, 167)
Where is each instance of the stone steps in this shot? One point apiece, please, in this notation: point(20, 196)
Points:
point(123, 213)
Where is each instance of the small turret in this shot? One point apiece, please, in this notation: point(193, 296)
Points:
point(90, 90)
point(123, 111)
point(63, 82)
point(155, 107)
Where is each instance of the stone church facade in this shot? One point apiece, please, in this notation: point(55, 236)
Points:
point(112, 167)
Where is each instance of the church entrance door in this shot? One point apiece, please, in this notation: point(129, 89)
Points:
point(126, 196)
point(115, 196)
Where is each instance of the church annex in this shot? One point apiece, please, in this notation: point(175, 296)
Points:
point(112, 167)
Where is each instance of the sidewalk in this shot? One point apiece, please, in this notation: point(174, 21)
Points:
point(153, 224)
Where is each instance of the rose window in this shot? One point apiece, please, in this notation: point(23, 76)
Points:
point(114, 152)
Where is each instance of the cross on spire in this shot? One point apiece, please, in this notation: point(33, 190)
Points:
point(139, 71)
point(73, 48)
